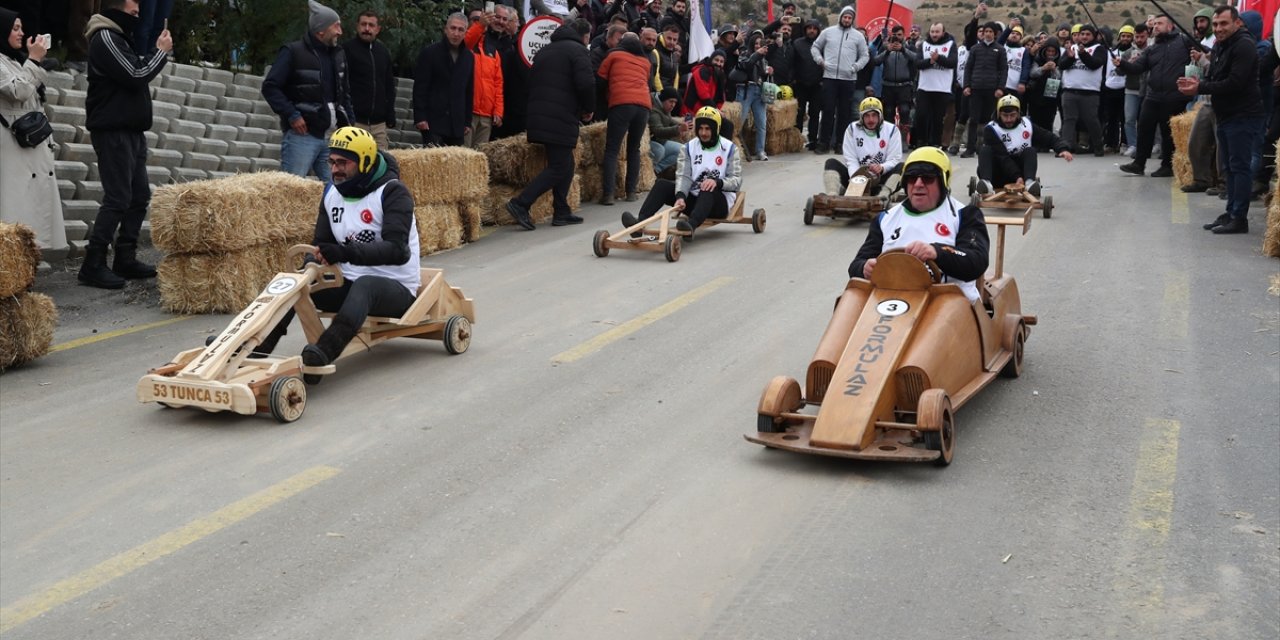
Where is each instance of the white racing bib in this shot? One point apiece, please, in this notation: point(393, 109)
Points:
point(710, 164)
point(1113, 78)
point(1080, 77)
point(360, 221)
point(937, 79)
point(873, 148)
point(940, 226)
point(1017, 139)
point(1015, 56)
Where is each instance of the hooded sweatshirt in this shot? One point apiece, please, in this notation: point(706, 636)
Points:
point(119, 97)
point(841, 52)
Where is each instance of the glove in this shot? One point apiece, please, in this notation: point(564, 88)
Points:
point(333, 253)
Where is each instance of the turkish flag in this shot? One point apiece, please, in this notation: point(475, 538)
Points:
point(873, 15)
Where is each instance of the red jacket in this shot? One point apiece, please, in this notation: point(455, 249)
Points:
point(487, 96)
point(628, 75)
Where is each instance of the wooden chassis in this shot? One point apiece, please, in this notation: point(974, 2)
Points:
point(867, 385)
point(659, 234)
point(1010, 196)
point(221, 377)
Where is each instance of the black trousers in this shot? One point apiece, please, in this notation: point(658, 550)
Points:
point(1001, 173)
point(556, 178)
point(631, 121)
point(1043, 111)
point(1156, 114)
point(931, 113)
point(898, 102)
point(126, 192)
point(982, 107)
point(352, 303)
point(1113, 117)
point(697, 208)
point(837, 106)
point(809, 101)
point(839, 167)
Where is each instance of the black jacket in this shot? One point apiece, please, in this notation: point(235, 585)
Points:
point(782, 59)
point(807, 72)
point(306, 76)
point(898, 67)
point(397, 217)
point(1233, 78)
point(1166, 60)
point(119, 97)
point(443, 89)
point(373, 85)
point(967, 263)
point(987, 67)
point(562, 88)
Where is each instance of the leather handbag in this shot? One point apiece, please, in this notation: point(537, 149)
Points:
point(31, 129)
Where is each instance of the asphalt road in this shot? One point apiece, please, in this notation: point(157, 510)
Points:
point(561, 481)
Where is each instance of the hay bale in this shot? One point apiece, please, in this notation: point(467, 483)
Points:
point(517, 161)
point(591, 144)
point(439, 227)
point(732, 112)
point(495, 211)
point(471, 213)
point(19, 257)
point(217, 283)
point(1271, 237)
point(230, 214)
point(591, 180)
point(1180, 127)
point(781, 115)
point(27, 321)
point(442, 175)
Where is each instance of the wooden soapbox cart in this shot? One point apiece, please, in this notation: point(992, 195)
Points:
point(1010, 197)
point(855, 203)
point(660, 235)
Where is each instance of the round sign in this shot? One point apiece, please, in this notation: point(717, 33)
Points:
point(892, 308)
point(281, 285)
point(535, 35)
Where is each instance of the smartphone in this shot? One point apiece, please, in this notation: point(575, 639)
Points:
point(488, 7)
point(46, 40)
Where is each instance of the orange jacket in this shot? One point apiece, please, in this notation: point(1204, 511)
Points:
point(628, 75)
point(487, 96)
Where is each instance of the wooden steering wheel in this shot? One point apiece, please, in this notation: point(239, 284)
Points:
point(327, 276)
point(935, 272)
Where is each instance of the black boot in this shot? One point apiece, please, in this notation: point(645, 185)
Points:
point(126, 264)
point(94, 271)
point(327, 349)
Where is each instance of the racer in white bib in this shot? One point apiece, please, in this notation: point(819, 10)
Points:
point(872, 147)
point(1009, 155)
point(1019, 63)
point(708, 177)
point(366, 225)
point(930, 225)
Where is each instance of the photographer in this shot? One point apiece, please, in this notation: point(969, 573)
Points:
point(788, 17)
point(781, 56)
point(898, 65)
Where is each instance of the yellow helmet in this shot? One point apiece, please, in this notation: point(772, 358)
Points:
point(1008, 102)
point(929, 160)
point(1128, 28)
point(870, 104)
point(785, 92)
point(710, 115)
point(358, 143)
point(1075, 28)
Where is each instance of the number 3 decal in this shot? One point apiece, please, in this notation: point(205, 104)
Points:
point(892, 308)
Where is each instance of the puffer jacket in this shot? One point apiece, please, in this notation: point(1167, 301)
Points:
point(987, 68)
point(561, 89)
point(627, 70)
point(841, 52)
point(487, 101)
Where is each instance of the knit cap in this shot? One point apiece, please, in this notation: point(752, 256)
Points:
point(321, 17)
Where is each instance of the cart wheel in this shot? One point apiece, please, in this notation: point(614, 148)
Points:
point(598, 243)
point(288, 398)
point(973, 185)
point(808, 211)
point(976, 200)
point(457, 334)
point(757, 221)
point(1017, 344)
point(782, 394)
point(672, 248)
point(934, 410)
point(1047, 207)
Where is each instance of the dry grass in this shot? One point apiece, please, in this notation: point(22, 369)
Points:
point(19, 257)
point(495, 212)
point(591, 144)
point(515, 161)
point(443, 175)
point(1180, 127)
point(26, 328)
point(1271, 237)
point(218, 283)
point(234, 213)
point(471, 213)
point(439, 227)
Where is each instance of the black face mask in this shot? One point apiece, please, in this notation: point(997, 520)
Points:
point(127, 23)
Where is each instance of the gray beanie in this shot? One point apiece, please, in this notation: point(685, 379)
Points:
point(321, 17)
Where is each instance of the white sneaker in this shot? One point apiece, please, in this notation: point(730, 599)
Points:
point(1131, 151)
point(762, 156)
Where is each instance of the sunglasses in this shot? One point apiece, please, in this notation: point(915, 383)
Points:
point(925, 179)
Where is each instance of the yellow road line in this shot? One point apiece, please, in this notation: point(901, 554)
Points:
point(818, 233)
point(631, 326)
point(1176, 307)
point(71, 588)
point(1181, 209)
point(99, 337)
point(1150, 518)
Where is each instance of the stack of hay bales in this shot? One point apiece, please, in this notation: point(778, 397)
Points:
point(732, 112)
point(26, 319)
point(224, 239)
point(1271, 238)
point(449, 187)
point(781, 134)
point(1180, 127)
point(590, 163)
point(513, 163)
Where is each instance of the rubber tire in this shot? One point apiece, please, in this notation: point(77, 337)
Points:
point(935, 406)
point(598, 245)
point(1047, 210)
point(758, 221)
point(208, 340)
point(808, 211)
point(973, 185)
point(766, 424)
point(278, 398)
point(1013, 368)
point(672, 248)
point(457, 334)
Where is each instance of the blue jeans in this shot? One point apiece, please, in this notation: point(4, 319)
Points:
point(749, 96)
point(1237, 138)
point(1132, 105)
point(664, 154)
point(300, 154)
